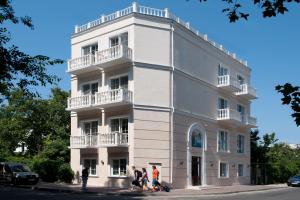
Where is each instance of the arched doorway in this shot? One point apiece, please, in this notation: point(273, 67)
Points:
point(196, 162)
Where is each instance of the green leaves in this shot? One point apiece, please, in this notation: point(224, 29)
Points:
point(18, 69)
point(291, 97)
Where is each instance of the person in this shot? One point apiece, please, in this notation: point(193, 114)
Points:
point(84, 177)
point(137, 176)
point(155, 176)
point(145, 179)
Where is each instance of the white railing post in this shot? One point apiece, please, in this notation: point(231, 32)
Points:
point(76, 28)
point(117, 14)
point(187, 25)
point(134, 7)
point(167, 13)
point(102, 18)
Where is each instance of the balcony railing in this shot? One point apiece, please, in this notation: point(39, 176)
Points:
point(229, 114)
point(99, 140)
point(163, 13)
point(250, 121)
point(100, 99)
point(246, 90)
point(114, 139)
point(84, 141)
point(100, 57)
point(228, 81)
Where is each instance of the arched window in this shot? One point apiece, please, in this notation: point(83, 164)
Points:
point(196, 139)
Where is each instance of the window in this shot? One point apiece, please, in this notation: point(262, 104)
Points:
point(223, 169)
point(197, 139)
point(90, 128)
point(241, 110)
point(119, 125)
point(118, 83)
point(240, 170)
point(120, 39)
point(91, 165)
point(240, 144)
point(223, 141)
point(90, 88)
point(240, 79)
point(222, 103)
point(91, 49)
point(222, 71)
point(118, 167)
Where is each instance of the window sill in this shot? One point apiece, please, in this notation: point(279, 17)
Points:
point(93, 176)
point(123, 177)
point(224, 152)
point(223, 177)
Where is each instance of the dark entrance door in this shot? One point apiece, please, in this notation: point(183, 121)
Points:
point(196, 170)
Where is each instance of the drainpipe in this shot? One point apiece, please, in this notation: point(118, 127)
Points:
point(172, 103)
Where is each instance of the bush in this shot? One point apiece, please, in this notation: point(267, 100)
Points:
point(47, 169)
point(65, 173)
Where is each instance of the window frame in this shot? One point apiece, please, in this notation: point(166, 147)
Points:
point(225, 99)
point(90, 45)
point(243, 144)
point(202, 139)
point(82, 122)
point(96, 167)
point(224, 67)
point(89, 83)
point(228, 141)
point(110, 167)
point(119, 77)
point(119, 117)
point(238, 174)
point(227, 169)
point(119, 38)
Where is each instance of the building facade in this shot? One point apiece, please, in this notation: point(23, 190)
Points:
point(149, 89)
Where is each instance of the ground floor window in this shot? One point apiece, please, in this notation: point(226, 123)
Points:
point(118, 167)
point(91, 164)
point(224, 170)
point(240, 170)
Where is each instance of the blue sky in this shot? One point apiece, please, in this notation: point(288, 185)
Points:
point(271, 46)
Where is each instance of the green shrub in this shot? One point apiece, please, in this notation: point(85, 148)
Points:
point(47, 169)
point(65, 173)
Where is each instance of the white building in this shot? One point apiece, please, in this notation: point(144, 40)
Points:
point(148, 89)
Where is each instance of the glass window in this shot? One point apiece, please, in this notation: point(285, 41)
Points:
point(223, 141)
point(91, 49)
point(241, 110)
point(118, 167)
point(90, 88)
point(240, 79)
point(91, 165)
point(197, 139)
point(120, 39)
point(119, 125)
point(223, 169)
point(90, 127)
point(223, 104)
point(118, 83)
point(240, 144)
point(240, 170)
point(222, 71)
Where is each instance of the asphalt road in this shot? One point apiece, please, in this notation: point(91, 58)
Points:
point(12, 193)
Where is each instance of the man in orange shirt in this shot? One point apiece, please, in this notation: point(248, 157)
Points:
point(155, 175)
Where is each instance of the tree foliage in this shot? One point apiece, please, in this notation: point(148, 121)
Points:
point(269, 8)
point(291, 97)
point(18, 69)
point(276, 161)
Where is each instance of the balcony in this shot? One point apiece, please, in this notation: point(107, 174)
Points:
point(84, 141)
point(228, 83)
point(229, 115)
point(101, 99)
point(247, 92)
point(249, 122)
point(102, 59)
point(115, 139)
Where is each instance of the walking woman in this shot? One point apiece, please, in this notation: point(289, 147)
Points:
point(145, 179)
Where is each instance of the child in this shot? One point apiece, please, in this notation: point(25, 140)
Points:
point(145, 179)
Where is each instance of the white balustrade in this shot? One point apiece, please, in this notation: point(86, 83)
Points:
point(84, 141)
point(227, 80)
point(246, 89)
point(135, 8)
point(100, 57)
point(100, 98)
point(229, 114)
point(114, 139)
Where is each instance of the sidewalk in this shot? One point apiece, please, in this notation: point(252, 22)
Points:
point(209, 190)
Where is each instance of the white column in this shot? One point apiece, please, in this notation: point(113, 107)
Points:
point(134, 7)
point(167, 14)
point(103, 80)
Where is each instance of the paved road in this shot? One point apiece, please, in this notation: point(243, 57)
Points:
point(11, 193)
